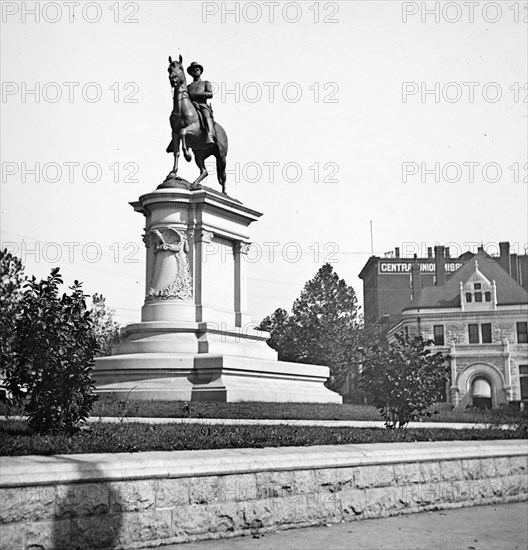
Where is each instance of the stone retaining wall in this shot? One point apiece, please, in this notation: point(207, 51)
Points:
point(148, 499)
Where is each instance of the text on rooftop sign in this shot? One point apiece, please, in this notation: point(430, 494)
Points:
point(406, 267)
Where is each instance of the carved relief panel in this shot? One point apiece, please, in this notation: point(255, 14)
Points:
point(171, 277)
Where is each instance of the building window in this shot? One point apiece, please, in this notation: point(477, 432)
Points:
point(487, 296)
point(473, 334)
point(478, 296)
point(477, 286)
point(468, 296)
point(438, 331)
point(523, 372)
point(522, 333)
point(485, 329)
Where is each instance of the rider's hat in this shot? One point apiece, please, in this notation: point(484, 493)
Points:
point(193, 65)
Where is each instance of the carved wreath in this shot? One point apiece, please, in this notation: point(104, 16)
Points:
point(175, 242)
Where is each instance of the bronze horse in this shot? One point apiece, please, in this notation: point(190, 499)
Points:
point(186, 129)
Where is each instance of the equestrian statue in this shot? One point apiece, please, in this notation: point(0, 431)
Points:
point(193, 125)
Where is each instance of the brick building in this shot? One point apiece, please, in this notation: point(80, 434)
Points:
point(479, 318)
point(475, 309)
point(387, 285)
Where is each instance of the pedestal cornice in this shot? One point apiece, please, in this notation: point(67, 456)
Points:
point(212, 200)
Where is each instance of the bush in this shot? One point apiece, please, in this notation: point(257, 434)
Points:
point(11, 281)
point(405, 380)
point(106, 330)
point(54, 350)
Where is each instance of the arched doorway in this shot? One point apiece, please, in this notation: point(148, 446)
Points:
point(481, 393)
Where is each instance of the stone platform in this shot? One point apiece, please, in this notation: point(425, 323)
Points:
point(134, 500)
point(196, 340)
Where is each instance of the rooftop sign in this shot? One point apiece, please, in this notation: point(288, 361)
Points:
point(396, 267)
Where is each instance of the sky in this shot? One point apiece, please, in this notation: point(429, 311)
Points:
point(410, 117)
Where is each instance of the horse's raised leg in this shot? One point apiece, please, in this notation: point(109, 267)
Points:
point(186, 154)
point(199, 157)
point(221, 170)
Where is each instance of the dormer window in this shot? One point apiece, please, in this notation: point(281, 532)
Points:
point(477, 292)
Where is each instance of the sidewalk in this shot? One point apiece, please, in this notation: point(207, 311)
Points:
point(493, 527)
point(288, 422)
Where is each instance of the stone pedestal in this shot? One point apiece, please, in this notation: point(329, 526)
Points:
point(195, 340)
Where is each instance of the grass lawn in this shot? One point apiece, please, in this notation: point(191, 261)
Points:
point(16, 439)
point(294, 411)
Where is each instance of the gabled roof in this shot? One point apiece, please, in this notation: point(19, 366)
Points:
point(509, 292)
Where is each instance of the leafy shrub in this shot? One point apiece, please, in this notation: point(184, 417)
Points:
point(404, 380)
point(54, 351)
point(11, 281)
point(106, 330)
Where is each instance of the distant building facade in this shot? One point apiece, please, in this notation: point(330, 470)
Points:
point(476, 312)
point(387, 285)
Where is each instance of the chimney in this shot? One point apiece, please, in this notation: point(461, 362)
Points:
point(480, 250)
point(514, 266)
point(416, 279)
point(397, 252)
point(440, 265)
point(504, 259)
point(429, 252)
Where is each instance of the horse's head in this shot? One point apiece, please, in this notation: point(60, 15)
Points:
point(176, 72)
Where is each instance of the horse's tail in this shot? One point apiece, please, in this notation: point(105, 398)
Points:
point(221, 139)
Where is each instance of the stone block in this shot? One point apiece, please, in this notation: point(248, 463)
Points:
point(189, 520)
point(256, 514)
point(275, 484)
point(503, 466)
point(325, 479)
point(352, 502)
point(488, 489)
point(11, 536)
point(48, 535)
point(382, 501)
point(430, 472)
point(304, 481)
point(289, 509)
point(374, 476)
point(487, 467)
point(146, 526)
point(172, 492)
point(95, 531)
point(405, 473)
point(419, 494)
point(453, 491)
point(235, 488)
point(519, 464)
point(224, 517)
point(323, 505)
point(451, 470)
point(523, 483)
point(27, 504)
point(84, 499)
point(205, 490)
point(471, 469)
point(132, 496)
point(510, 485)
